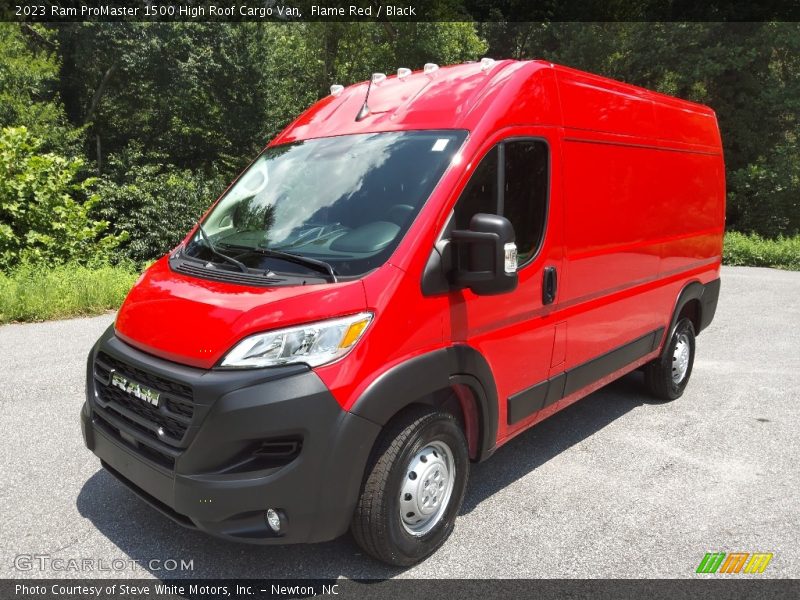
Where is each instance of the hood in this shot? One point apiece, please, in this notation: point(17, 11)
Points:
point(196, 321)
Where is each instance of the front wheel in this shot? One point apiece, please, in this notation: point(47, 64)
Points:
point(667, 376)
point(413, 488)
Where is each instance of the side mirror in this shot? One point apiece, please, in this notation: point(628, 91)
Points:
point(485, 255)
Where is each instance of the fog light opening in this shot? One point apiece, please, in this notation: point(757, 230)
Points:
point(274, 520)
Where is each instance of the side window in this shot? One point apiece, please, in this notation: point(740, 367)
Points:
point(525, 198)
point(523, 186)
point(480, 195)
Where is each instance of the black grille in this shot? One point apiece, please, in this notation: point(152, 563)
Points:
point(153, 381)
point(158, 455)
point(214, 274)
point(166, 423)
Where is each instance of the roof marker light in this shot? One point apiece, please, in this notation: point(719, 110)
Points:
point(402, 73)
point(336, 90)
point(430, 68)
point(486, 63)
point(378, 78)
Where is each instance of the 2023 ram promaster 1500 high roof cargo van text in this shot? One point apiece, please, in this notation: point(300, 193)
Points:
point(413, 272)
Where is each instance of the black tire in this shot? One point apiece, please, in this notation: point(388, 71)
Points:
point(377, 523)
point(658, 375)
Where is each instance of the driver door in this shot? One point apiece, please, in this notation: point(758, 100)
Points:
point(515, 331)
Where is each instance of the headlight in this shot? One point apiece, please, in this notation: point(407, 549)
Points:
point(313, 344)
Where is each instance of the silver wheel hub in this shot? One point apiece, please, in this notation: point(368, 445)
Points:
point(427, 487)
point(680, 359)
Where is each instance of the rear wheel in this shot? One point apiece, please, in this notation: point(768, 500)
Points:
point(667, 376)
point(413, 488)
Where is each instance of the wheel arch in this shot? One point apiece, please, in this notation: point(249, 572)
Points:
point(697, 302)
point(457, 372)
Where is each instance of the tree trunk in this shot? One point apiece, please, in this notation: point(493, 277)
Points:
point(99, 155)
point(98, 93)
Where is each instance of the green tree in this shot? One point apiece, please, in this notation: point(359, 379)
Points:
point(152, 204)
point(44, 209)
point(193, 92)
point(29, 96)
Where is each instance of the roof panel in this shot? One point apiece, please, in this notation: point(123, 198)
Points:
point(468, 96)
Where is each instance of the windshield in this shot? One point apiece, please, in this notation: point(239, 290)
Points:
point(344, 201)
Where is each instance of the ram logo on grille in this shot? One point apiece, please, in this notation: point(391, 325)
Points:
point(135, 389)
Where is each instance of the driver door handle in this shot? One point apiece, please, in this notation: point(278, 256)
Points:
point(549, 285)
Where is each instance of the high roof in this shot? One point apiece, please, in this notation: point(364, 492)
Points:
point(499, 93)
point(443, 99)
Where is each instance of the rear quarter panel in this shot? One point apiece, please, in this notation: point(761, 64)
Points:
point(644, 209)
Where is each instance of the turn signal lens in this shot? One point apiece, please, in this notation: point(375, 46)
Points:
point(510, 252)
point(353, 333)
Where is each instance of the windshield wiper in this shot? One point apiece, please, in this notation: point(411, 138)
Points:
point(307, 261)
point(242, 267)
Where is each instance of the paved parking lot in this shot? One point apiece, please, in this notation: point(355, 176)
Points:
point(614, 486)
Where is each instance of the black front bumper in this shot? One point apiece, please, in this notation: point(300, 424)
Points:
point(242, 442)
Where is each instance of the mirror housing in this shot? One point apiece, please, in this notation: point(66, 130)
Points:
point(485, 255)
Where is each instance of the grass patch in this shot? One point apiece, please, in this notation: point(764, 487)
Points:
point(751, 250)
point(40, 293)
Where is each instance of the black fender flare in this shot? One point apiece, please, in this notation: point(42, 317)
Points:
point(422, 375)
point(706, 294)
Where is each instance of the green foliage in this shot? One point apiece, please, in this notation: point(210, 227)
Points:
point(196, 93)
point(754, 251)
point(153, 205)
point(29, 76)
point(37, 293)
point(44, 209)
point(766, 194)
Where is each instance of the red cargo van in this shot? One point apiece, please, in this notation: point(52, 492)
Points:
point(413, 272)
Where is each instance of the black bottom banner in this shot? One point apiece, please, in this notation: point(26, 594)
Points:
point(400, 589)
